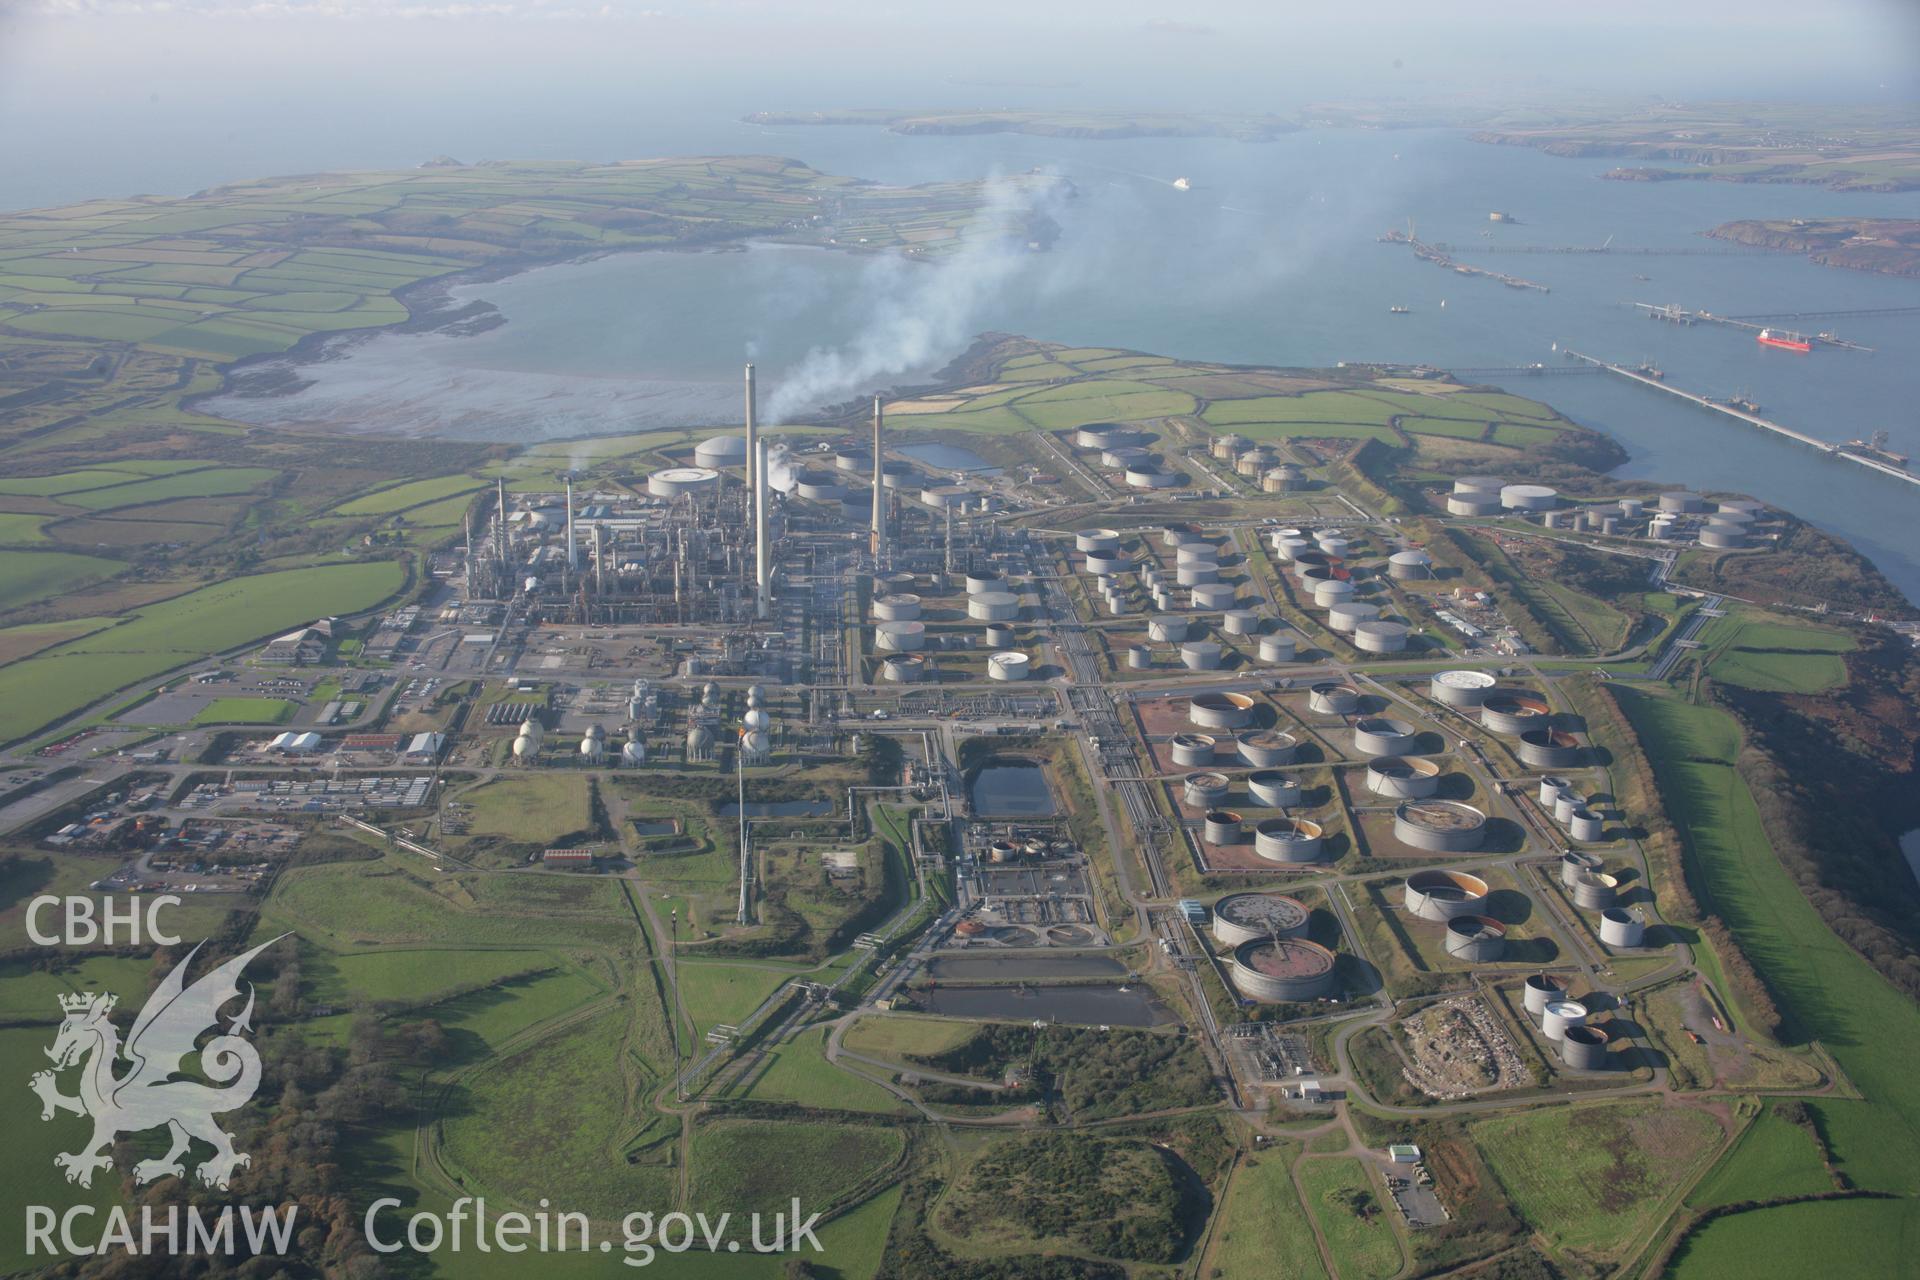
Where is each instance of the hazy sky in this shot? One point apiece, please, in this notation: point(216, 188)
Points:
point(113, 96)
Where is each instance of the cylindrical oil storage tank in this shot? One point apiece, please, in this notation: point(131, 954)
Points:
point(1097, 540)
point(1107, 562)
point(1381, 636)
point(1334, 546)
point(1584, 1048)
point(1564, 804)
point(675, 482)
point(1204, 790)
point(1008, 666)
point(1561, 1014)
point(1722, 539)
point(1460, 688)
point(1193, 749)
point(1632, 508)
point(853, 460)
point(898, 475)
point(1541, 990)
point(1529, 497)
point(1162, 598)
point(1269, 747)
point(1746, 506)
point(1586, 826)
point(1285, 478)
point(1551, 789)
point(1384, 736)
point(1254, 462)
point(1228, 446)
point(1240, 622)
point(1104, 435)
point(1252, 917)
point(1442, 895)
point(1222, 826)
point(1554, 519)
point(1179, 535)
point(1548, 749)
point(903, 668)
point(1278, 648)
point(1680, 501)
point(1213, 595)
point(1439, 826)
point(1273, 789)
point(1123, 456)
point(1152, 473)
point(1403, 777)
point(1221, 710)
point(1331, 592)
point(1196, 553)
point(1196, 573)
point(1405, 565)
point(1117, 605)
point(1333, 699)
point(1514, 711)
point(903, 608)
point(1610, 525)
point(1474, 505)
point(904, 637)
point(1476, 939)
point(721, 451)
point(994, 606)
point(1287, 970)
point(1200, 655)
point(999, 636)
point(819, 486)
point(982, 581)
point(1289, 840)
point(1168, 630)
point(1621, 927)
point(1287, 550)
point(1348, 614)
point(1595, 891)
point(1733, 520)
point(1139, 658)
point(1575, 865)
point(940, 497)
point(1478, 486)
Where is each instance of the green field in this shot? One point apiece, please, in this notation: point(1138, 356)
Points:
point(1363, 1248)
point(890, 1036)
point(1791, 1242)
point(746, 1166)
point(800, 1073)
point(1263, 1230)
point(247, 711)
point(27, 576)
point(211, 483)
point(1775, 658)
point(530, 809)
point(723, 993)
point(1772, 1158)
point(29, 1175)
point(19, 529)
point(414, 976)
point(416, 493)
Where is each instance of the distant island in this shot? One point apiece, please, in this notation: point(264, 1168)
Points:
point(1083, 125)
point(1890, 246)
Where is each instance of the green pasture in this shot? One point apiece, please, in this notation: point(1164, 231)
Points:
point(1363, 1248)
point(742, 1166)
point(1263, 1230)
point(716, 993)
point(798, 1072)
point(27, 576)
point(247, 711)
point(402, 497)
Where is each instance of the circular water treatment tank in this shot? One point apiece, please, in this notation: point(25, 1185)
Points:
point(1595, 891)
point(1403, 777)
point(1201, 655)
point(1586, 826)
point(1204, 790)
point(1384, 736)
point(1221, 710)
point(1405, 565)
point(1097, 540)
point(1289, 840)
point(993, 606)
point(1380, 636)
point(1529, 497)
point(1222, 826)
point(1240, 622)
point(1278, 648)
point(1548, 749)
point(1541, 990)
point(1575, 865)
point(1478, 486)
point(902, 636)
point(1584, 1048)
point(1213, 595)
point(1268, 747)
point(903, 668)
point(1561, 1014)
point(1442, 895)
point(1167, 630)
point(1621, 927)
point(1439, 826)
point(676, 482)
point(1273, 789)
point(1513, 711)
point(1252, 917)
point(1197, 573)
point(979, 581)
point(721, 451)
point(1345, 615)
point(1460, 688)
point(1192, 749)
point(1008, 666)
point(1106, 562)
point(901, 608)
point(1473, 505)
point(1282, 970)
point(1331, 592)
point(1476, 939)
point(1552, 788)
point(1139, 657)
point(1333, 699)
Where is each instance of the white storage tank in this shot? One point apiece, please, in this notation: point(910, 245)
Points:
point(1008, 666)
point(1278, 648)
point(1380, 636)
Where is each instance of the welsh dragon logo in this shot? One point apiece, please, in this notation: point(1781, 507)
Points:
point(147, 1096)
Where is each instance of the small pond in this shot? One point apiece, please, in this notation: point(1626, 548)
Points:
point(1089, 1006)
point(1011, 789)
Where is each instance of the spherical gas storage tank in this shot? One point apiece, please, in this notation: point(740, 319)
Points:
point(1168, 630)
point(993, 606)
point(1529, 497)
point(1439, 826)
point(1278, 648)
point(676, 482)
point(1283, 970)
point(1192, 749)
point(1548, 749)
point(1460, 688)
point(1333, 699)
point(1584, 1048)
point(1251, 917)
point(1442, 895)
point(1008, 666)
point(1541, 990)
point(1221, 710)
point(1384, 736)
point(721, 451)
point(1595, 891)
point(903, 668)
point(1273, 789)
point(1267, 747)
point(1476, 939)
point(1106, 562)
point(1403, 777)
point(1204, 790)
point(1586, 826)
point(1201, 655)
point(1345, 615)
point(903, 637)
point(1559, 1015)
point(1222, 826)
point(1289, 840)
point(1381, 636)
point(1622, 927)
point(1514, 711)
point(1213, 595)
point(982, 581)
point(1097, 540)
point(1404, 566)
point(901, 608)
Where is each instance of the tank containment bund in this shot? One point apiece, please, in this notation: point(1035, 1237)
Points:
point(1476, 939)
point(1442, 895)
point(1584, 1048)
point(1252, 917)
point(1273, 789)
point(1620, 927)
point(1460, 688)
point(1541, 990)
point(1291, 969)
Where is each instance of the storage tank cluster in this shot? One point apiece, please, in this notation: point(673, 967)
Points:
point(1439, 826)
point(1443, 895)
point(1282, 970)
point(1252, 917)
point(1566, 1023)
point(1475, 496)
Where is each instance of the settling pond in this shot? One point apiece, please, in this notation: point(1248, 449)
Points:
point(1011, 789)
point(1089, 1006)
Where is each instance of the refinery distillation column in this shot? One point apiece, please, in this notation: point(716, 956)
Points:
point(757, 488)
point(879, 494)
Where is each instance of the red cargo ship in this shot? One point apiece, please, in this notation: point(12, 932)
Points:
point(1785, 339)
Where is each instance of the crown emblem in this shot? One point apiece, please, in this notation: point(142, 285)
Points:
point(81, 1001)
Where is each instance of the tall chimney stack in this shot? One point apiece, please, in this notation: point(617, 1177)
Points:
point(599, 558)
point(879, 492)
point(757, 480)
point(753, 437)
point(573, 547)
point(500, 522)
